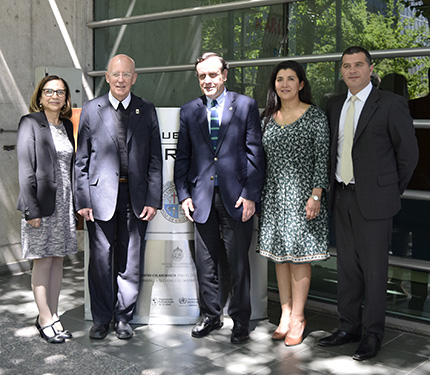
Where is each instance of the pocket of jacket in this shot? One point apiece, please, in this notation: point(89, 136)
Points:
point(388, 179)
point(192, 179)
point(94, 181)
point(241, 175)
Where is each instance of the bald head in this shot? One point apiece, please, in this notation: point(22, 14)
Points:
point(121, 76)
point(121, 58)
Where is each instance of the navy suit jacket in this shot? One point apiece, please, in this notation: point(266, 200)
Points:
point(238, 160)
point(97, 165)
point(37, 160)
point(384, 152)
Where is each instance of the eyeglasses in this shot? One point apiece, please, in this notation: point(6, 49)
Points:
point(202, 77)
point(50, 92)
point(126, 75)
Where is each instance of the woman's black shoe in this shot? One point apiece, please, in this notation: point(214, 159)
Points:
point(64, 333)
point(53, 339)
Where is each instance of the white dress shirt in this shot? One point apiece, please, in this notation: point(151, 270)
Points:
point(359, 104)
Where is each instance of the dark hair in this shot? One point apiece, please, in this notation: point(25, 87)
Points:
point(356, 49)
point(66, 111)
point(273, 103)
point(206, 56)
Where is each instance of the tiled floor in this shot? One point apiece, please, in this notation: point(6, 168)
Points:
point(159, 349)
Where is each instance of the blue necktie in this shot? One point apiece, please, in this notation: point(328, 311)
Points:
point(214, 124)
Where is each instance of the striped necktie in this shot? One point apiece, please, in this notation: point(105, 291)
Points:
point(214, 124)
point(346, 167)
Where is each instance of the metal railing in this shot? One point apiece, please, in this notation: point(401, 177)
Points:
point(330, 57)
point(397, 261)
point(8, 130)
point(195, 11)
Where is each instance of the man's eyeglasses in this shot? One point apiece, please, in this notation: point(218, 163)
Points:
point(202, 77)
point(49, 92)
point(126, 75)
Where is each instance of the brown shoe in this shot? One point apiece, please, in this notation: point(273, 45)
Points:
point(292, 341)
point(278, 336)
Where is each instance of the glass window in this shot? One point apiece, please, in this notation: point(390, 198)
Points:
point(107, 9)
point(312, 27)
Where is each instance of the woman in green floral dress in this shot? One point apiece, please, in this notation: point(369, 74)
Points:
point(294, 218)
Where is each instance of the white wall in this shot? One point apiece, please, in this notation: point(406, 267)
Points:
point(31, 37)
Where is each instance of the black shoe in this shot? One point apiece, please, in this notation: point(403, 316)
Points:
point(63, 333)
point(99, 331)
point(205, 326)
point(55, 339)
point(240, 333)
point(123, 330)
point(338, 338)
point(368, 347)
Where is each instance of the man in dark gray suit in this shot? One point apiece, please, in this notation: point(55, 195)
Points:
point(371, 166)
point(118, 190)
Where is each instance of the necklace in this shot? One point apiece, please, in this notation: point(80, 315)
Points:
point(288, 121)
point(289, 118)
point(59, 128)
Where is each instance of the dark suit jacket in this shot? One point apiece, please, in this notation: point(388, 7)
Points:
point(98, 161)
point(238, 159)
point(384, 152)
point(37, 160)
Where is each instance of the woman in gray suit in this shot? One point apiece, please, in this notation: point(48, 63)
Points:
point(45, 148)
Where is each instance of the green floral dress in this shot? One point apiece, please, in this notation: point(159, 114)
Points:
point(297, 157)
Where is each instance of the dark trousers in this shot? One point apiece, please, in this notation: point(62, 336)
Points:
point(211, 238)
point(116, 256)
point(362, 266)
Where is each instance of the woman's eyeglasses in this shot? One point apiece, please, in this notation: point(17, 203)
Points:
point(50, 92)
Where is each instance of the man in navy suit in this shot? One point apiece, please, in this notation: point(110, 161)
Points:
point(382, 154)
point(219, 177)
point(118, 190)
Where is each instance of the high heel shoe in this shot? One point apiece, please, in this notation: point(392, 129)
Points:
point(278, 336)
point(50, 339)
point(292, 341)
point(64, 332)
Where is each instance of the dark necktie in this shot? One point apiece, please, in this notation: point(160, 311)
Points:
point(214, 124)
point(121, 107)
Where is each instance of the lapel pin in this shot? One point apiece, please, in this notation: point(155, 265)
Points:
point(137, 111)
point(230, 109)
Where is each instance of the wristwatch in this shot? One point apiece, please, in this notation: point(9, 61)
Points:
point(316, 198)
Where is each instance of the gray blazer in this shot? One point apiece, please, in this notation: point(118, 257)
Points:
point(98, 161)
point(37, 165)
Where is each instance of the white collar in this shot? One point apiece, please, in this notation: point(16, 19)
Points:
point(219, 100)
point(363, 94)
point(115, 102)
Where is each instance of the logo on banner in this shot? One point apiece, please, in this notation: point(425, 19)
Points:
point(172, 210)
point(177, 254)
